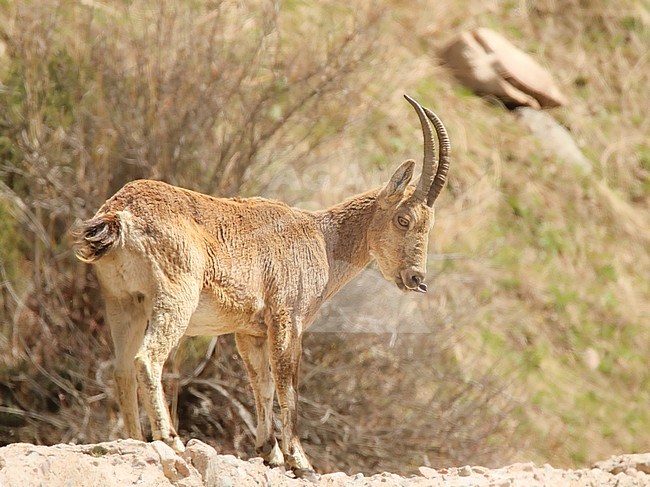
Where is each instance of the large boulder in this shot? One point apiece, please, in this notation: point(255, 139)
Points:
point(490, 65)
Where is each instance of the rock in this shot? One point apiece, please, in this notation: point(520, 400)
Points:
point(230, 460)
point(591, 358)
point(336, 476)
point(224, 482)
point(620, 463)
point(641, 462)
point(475, 69)
point(130, 462)
point(428, 472)
point(109, 464)
point(501, 483)
point(556, 139)
point(176, 468)
point(200, 455)
point(523, 467)
point(521, 70)
point(489, 64)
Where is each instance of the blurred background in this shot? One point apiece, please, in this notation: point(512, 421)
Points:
point(533, 341)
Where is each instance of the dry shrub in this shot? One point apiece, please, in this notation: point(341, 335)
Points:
point(97, 95)
point(398, 407)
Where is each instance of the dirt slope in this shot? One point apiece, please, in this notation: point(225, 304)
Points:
point(129, 462)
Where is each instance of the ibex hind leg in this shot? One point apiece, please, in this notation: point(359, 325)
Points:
point(254, 352)
point(171, 313)
point(285, 350)
point(127, 319)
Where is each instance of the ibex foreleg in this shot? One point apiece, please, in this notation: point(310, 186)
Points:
point(285, 349)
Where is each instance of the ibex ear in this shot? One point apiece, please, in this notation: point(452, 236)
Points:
point(393, 192)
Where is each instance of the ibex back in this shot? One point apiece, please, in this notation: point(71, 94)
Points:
point(172, 262)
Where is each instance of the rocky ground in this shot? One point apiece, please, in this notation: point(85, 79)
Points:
point(129, 462)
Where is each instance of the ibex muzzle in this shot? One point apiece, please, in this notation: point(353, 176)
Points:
point(172, 262)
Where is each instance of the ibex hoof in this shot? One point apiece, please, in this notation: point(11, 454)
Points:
point(176, 444)
point(306, 474)
point(271, 454)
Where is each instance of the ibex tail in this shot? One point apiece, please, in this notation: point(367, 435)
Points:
point(97, 236)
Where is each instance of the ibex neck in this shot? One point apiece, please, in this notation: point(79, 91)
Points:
point(345, 227)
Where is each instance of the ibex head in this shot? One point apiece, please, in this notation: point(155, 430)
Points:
point(398, 235)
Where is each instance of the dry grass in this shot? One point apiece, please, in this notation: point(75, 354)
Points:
point(534, 266)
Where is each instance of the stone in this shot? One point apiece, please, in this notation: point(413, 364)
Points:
point(556, 139)
point(174, 467)
point(115, 464)
point(520, 69)
point(224, 482)
point(522, 467)
point(489, 64)
point(475, 69)
point(428, 472)
point(591, 358)
point(109, 464)
point(230, 460)
point(619, 463)
point(199, 454)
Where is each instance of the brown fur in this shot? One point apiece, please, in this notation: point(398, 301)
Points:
point(173, 262)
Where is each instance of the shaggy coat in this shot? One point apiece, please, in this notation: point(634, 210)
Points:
point(173, 262)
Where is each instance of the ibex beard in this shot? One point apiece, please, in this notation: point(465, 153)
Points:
point(173, 262)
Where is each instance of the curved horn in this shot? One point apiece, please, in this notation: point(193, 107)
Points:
point(428, 161)
point(443, 165)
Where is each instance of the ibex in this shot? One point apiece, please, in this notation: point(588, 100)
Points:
point(173, 262)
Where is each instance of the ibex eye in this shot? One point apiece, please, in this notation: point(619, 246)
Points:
point(403, 221)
